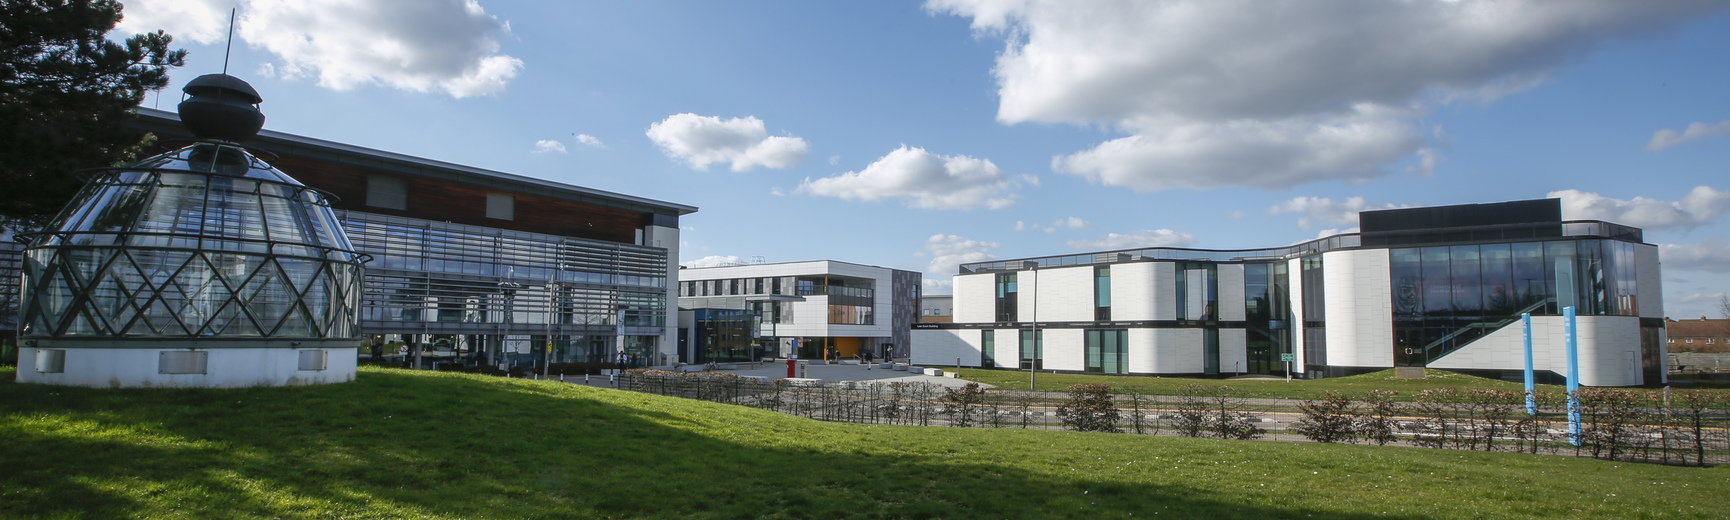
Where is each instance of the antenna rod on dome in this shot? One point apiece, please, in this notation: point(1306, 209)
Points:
point(230, 49)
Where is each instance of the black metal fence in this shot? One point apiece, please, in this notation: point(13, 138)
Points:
point(1687, 427)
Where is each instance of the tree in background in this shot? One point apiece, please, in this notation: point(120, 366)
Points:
point(66, 93)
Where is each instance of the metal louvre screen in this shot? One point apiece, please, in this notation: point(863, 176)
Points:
point(183, 362)
point(314, 359)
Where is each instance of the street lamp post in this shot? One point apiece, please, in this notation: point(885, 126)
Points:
point(508, 290)
point(553, 287)
point(1033, 364)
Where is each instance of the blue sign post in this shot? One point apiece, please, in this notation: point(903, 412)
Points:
point(1531, 398)
point(1573, 354)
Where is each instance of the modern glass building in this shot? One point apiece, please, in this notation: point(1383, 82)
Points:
point(1436, 287)
point(818, 310)
point(478, 267)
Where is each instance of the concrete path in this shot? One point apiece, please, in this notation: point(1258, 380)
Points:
point(827, 373)
point(847, 373)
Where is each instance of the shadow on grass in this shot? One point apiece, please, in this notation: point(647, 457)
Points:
point(398, 444)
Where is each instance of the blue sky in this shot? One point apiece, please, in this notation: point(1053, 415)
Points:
point(918, 135)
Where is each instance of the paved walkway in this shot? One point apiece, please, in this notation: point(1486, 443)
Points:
point(826, 373)
point(870, 373)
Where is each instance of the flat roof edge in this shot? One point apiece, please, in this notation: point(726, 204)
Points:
point(272, 135)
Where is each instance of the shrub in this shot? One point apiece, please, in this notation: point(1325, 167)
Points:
point(1328, 420)
point(1217, 411)
point(1375, 419)
point(1089, 409)
point(962, 403)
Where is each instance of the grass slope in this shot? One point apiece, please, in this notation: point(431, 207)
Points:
point(440, 445)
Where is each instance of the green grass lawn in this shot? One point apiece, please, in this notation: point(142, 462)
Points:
point(441, 445)
point(1280, 389)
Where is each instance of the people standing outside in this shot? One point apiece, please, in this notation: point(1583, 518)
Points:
point(377, 353)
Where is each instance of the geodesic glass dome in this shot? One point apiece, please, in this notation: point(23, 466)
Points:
point(204, 243)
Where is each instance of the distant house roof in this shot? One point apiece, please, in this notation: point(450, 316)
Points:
point(1700, 328)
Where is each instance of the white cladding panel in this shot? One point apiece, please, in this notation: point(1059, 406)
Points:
point(1233, 350)
point(1648, 282)
point(1141, 349)
point(942, 347)
point(1359, 308)
point(1026, 282)
point(224, 368)
point(975, 298)
point(1064, 349)
point(1007, 347)
point(1164, 291)
point(1132, 291)
point(1294, 276)
point(1067, 294)
point(1230, 294)
point(1608, 346)
point(1177, 351)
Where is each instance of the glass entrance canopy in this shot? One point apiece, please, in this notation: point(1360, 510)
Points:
point(206, 243)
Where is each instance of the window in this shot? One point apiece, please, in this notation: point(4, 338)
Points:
point(386, 192)
point(850, 315)
point(1107, 351)
point(1709, 340)
point(987, 349)
point(1033, 350)
point(1690, 340)
point(501, 206)
point(1006, 297)
point(1102, 293)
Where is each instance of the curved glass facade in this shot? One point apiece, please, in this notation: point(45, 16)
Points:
point(207, 242)
point(1446, 296)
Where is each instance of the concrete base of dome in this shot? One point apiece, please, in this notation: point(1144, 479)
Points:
point(186, 367)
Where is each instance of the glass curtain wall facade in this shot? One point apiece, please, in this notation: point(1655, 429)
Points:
point(1446, 296)
point(1267, 317)
point(456, 281)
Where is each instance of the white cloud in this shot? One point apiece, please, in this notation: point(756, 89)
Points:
point(544, 146)
point(1070, 223)
point(741, 142)
point(1138, 239)
point(834, 160)
point(1700, 206)
point(1236, 214)
point(1666, 138)
point(922, 180)
point(1325, 210)
point(1335, 231)
point(448, 46)
point(777, 192)
point(1712, 255)
point(712, 261)
point(1247, 93)
point(936, 286)
point(200, 21)
point(590, 141)
point(948, 252)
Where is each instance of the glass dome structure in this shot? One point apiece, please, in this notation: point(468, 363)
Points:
point(207, 244)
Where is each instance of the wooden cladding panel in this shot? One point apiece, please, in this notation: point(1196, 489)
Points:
point(462, 203)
